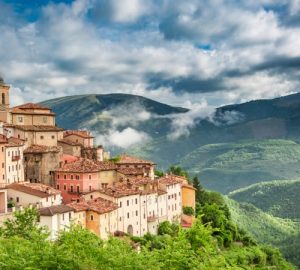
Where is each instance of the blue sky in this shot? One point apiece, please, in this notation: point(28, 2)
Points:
point(197, 54)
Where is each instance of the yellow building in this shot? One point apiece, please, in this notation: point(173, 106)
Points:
point(97, 215)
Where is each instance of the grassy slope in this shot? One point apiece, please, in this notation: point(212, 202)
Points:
point(279, 198)
point(229, 166)
point(265, 228)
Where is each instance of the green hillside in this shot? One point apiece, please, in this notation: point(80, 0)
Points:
point(278, 198)
point(265, 228)
point(229, 166)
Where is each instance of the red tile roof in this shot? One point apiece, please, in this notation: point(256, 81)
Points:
point(186, 221)
point(81, 165)
point(169, 179)
point(131, 171)
point(15, 142)
point(32, 106)
point(55, 209)
point(98, 205)
point(126, 159)
point(35, 189)
point(36, 128)
point(81, 133)
point(34, 149)
point(68, 158)
point(106, 165)
point(121, 190)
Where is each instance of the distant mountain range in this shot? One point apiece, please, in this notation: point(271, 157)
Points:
point(242, 133)
point(233, 151)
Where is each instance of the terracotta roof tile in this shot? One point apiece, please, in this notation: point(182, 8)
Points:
point(34, 149)
point(81, 133)
point(126, 159)
point(55, 209)
point(14, 142)
point(69, 142)
point(81, 165)
point(169, 179)
point(32, 106)
point(106, 165)
point(131, 171)
point(98, 205)
point(35, 189)
point(36, 128)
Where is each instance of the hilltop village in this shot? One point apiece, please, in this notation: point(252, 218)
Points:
point(70, 180)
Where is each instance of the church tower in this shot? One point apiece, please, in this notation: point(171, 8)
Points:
point(4, 102)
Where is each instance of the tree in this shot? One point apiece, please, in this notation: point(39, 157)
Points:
point(188, 210)
point(23, 224)
point(199, 189)
point(176, 170)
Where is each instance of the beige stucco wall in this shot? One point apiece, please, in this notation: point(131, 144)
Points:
point(27, 199)
point(3, 201)
point(2, 164)
point(14, 169)
point(72, 150)
point(107, 177)
point(32, 119)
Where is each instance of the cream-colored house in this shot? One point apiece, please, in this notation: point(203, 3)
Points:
point(14, 169)
point(56, 218)
point(172, 185)
point(100, 217)
point(32, 194)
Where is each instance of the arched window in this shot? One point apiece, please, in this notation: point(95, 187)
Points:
point(3, 98)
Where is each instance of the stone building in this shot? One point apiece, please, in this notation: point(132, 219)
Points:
point(40, 162)
point(4, 102)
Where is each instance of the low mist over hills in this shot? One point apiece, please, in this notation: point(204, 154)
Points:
point(230, 148)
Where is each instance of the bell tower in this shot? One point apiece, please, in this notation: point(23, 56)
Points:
point(4, 102)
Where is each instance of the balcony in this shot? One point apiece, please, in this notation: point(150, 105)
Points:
point(15, 158)
point(152, 218)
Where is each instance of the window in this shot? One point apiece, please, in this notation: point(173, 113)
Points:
point(120, 204)
point(65, 177)
point(71, 176)
point(20, 119)
point(78, 189)
point(53, 137)
point(128, 215)
point(136, 201)
point(92, 217)
point(90, 177)
point(63, 216)
point(90, 188)
point(127, 202)
point(65, 187)
point(18, 199)
point(45, 119)
point(70, 215)
point(91, 196)
point(3, 98)
point(42, 137)
point(71, 188)
point(136, 213)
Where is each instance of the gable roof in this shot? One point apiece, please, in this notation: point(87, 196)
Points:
point(35, 149)
point(32, 106)
point(169, 179)
point(98, 205)
point(81, 133)
point(35, 189)
point(81, 165)
point(127, 159)
point(55, 209)
point(40, 128)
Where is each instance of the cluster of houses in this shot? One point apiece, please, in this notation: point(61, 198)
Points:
point(72, 181)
